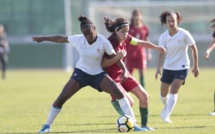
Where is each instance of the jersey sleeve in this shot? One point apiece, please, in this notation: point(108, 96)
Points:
point(108, 47)
point(74, 40)
point(189, 39)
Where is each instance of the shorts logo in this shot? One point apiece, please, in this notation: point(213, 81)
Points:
point(182, 76)
point(75, 74)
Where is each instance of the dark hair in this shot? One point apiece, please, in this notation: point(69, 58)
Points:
point(117, 24)
point(213, 21)
point(84, 21)
point(134, 12)
point(167, 13)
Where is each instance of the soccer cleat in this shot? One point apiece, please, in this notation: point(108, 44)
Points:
point(212, 113)
point(148, 128)
point(46, 129)
point(136, 128)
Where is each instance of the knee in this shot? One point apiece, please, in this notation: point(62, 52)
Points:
point(144, 99)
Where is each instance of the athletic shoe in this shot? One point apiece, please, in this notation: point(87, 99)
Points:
point(148, 128)
point(45, 129)
point(167, 120)
point(136, 128)
point(162, 115)
point(212, 113)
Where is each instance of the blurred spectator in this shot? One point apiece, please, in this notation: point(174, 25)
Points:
point(138, 56)
point(4, 50)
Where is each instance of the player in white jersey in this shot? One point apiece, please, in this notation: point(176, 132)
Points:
point(207, 55)
point(88, 71)
point(176, 65)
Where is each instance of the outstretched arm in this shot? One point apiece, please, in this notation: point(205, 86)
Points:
point(58, 38)
point(150, 45)
point(210, 49)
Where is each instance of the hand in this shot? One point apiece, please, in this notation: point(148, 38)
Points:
point(158, 72)
point(195, 71)
point(120, 54)
point(207, 55)
point(125, 75)
point(38, 38)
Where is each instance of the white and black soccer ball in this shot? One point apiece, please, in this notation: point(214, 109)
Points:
point(125, 124)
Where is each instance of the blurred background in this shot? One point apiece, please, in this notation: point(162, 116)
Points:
point(23, 19)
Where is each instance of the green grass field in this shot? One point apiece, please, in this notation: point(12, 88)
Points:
point(26, 97)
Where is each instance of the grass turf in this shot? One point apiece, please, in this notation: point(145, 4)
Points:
point(26, 97)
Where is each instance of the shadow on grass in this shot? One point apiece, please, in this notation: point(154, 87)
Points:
point(185, 127)
point(154, 115)
point(70, 132)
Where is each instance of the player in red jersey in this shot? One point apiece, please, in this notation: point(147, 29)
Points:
point(119, 39)
point(138, 56)
point(207, 55)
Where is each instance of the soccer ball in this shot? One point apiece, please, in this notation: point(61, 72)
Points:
point(125, 124)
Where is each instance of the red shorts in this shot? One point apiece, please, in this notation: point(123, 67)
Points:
point(129, 84)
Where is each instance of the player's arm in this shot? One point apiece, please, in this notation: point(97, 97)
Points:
point(6, 46)
point(195, 60)
point(58, 39)
point(210, 49)
point(106, 62)
point(148, 52)
point(146, 44)
point(159, 66)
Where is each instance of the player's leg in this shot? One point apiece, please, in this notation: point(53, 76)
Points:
point(213, 113)
point(173, 97)
point(109, 86)
point(71, 87)
point(179, 78)
point(141, 76)
point(131, 85)
point(3, 64)
point(115, 102)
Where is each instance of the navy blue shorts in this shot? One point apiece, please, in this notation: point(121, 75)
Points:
point(87, 79)
point(169, 75)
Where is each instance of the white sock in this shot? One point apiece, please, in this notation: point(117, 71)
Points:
point(171, 101)
point(126, 108)
point(163, 99)
point(52, 115)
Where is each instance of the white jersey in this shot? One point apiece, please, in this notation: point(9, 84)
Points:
point(91, 55)
point(176, 49)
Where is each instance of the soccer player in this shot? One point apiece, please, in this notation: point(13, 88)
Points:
point(4, 50)
point(120, 39)
point(88, 71)
point(207, 55)
point(176, 65)
point(138, 56)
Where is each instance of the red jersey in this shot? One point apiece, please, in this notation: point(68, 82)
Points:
point(139, 33)
point(115, 71)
